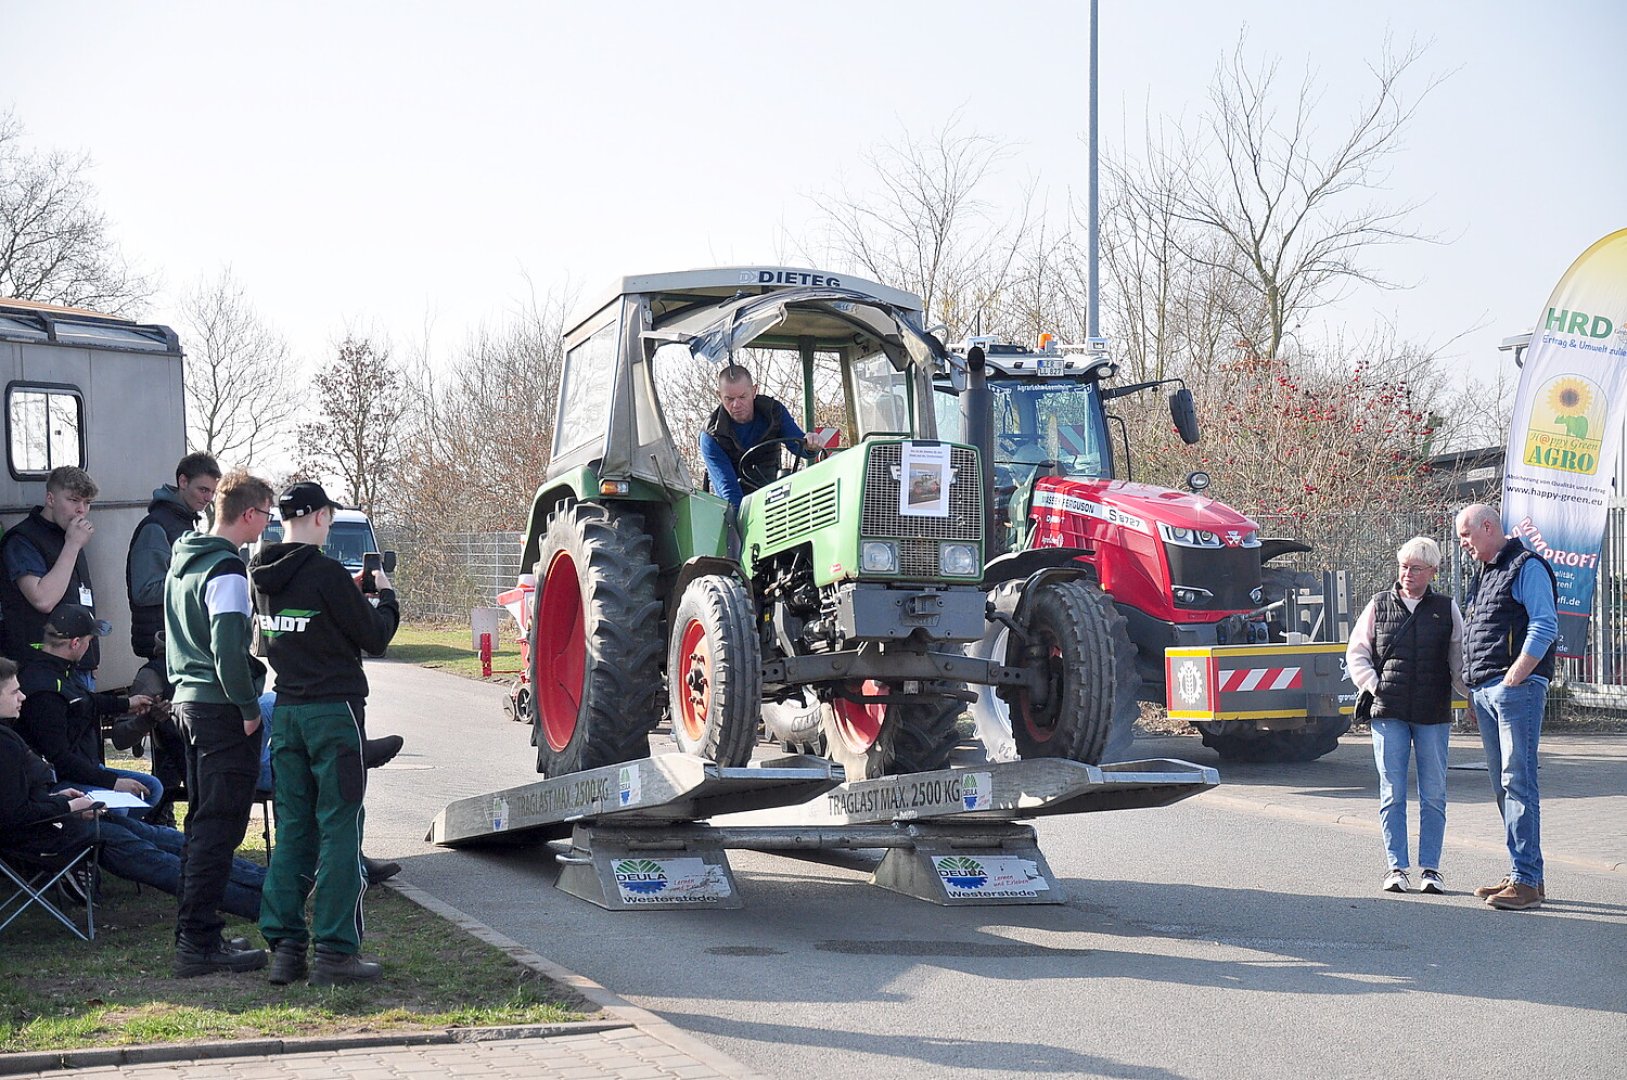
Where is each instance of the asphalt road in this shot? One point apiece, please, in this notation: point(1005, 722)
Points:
point(1206, 939)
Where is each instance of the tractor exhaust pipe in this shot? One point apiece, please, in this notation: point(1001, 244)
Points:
point(977, 420)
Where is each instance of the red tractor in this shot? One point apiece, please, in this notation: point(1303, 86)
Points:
point(1181, 571)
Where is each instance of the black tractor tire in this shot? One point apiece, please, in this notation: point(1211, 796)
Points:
point(1275, 582)
point(927, 733)
point(715, 671)
point(596, 640)
point(1071, 631)
point(991, 713)
point(862, 739)
point(1317, 739)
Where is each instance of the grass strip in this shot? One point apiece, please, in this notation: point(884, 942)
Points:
point(447, 648)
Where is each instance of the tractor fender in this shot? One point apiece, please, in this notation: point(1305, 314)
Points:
point(1023, 564)
point(1276, 547)
point(1068, 571)
point(546, 500)
point(704, 566)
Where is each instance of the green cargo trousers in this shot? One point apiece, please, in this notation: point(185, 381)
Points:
point(316, 760)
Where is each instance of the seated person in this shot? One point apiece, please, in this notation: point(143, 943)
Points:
point(62, 717)
point(30, 793)
point(744, 419)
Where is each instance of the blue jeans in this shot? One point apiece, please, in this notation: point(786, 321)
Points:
point(151, 855)
point(1510, 724)
point(155, 792)
point(1394, 743)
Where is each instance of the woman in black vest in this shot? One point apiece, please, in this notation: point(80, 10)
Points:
point(1407, 652)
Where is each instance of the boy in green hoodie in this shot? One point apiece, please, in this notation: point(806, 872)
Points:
point(217, 683)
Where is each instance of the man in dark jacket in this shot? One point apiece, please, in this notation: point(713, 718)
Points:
point(44, 564)
point(62, 717)
point(1511, 629)
point(315, 622)
point(174, 511)
point(743, 420)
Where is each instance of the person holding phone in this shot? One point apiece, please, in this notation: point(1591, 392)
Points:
point(315, 622)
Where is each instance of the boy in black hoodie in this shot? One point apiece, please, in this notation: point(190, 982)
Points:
point(315, 622)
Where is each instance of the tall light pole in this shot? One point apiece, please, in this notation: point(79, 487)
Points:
point(1093, 324)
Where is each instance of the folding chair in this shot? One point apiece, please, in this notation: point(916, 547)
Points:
point(35, 873)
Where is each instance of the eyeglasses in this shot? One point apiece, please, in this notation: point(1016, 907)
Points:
point(1416, 568)
point(260, 510)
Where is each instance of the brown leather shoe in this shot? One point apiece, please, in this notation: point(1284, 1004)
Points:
point(1486, 892)
point(1516, 897)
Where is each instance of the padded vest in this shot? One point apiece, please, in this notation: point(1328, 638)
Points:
point(1495, 622)
point(146, 620)
point(1416, 682)
point(765, 466)
point(24, 624)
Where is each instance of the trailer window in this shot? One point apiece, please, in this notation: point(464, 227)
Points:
point(45, 429)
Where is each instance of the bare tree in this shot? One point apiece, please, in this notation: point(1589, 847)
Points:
point(1296, 217)
point(928, 228)
point(358, 433)
point(239, 381)
point(55, 245)
point(485, 423)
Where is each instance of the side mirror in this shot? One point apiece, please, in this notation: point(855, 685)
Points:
point(1184, 411)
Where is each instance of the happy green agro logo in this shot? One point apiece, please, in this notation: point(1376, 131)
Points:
point(1565, 430)
point(642, 876)
point(962, 872)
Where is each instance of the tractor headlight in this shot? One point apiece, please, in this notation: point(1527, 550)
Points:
point(958, 560)
point(879, 557)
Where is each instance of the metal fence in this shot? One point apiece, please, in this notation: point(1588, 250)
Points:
point(443, 576)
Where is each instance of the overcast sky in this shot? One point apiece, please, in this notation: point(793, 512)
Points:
point(378, 165)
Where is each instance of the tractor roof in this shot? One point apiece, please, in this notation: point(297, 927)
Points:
point(672, 292)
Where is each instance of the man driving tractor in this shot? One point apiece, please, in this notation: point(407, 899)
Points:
point(744, 421)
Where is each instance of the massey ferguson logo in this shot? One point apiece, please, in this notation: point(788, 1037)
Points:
point(1232, 538)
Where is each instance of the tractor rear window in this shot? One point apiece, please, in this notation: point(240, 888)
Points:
point(585, 406)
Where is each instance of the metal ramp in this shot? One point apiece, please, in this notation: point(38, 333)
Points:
point(654, 833)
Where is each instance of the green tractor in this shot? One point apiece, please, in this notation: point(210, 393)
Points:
point(832, 612)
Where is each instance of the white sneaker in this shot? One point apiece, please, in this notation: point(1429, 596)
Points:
point(1397, 881)
point(1430, 881)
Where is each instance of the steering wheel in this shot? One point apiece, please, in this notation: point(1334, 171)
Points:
point(781, 470)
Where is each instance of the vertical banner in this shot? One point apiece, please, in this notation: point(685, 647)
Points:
point(1567, 425)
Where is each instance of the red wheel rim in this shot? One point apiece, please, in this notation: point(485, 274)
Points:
point(561, 652)
point(859, 725)
point(694, 680)
point(1042, 728)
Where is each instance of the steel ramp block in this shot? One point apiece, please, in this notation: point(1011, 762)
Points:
point(961, 866)
point(997, 791)
point(623, 868)
point(664, 788)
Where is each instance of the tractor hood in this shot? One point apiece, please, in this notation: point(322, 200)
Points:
point(1144, 507)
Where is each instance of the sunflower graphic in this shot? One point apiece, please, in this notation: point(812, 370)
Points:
point(1570, 399)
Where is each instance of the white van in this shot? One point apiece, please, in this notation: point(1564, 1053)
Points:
point(348, 540)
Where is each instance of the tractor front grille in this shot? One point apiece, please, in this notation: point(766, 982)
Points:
point(918, 536)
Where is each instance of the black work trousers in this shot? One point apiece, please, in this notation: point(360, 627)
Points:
point(222, 768)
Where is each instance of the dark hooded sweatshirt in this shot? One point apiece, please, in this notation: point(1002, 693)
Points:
point(315, 624)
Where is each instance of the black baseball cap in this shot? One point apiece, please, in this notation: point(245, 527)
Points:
point(76, 620)
point(305, 497)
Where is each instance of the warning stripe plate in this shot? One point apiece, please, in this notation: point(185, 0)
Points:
point(1261, 678)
